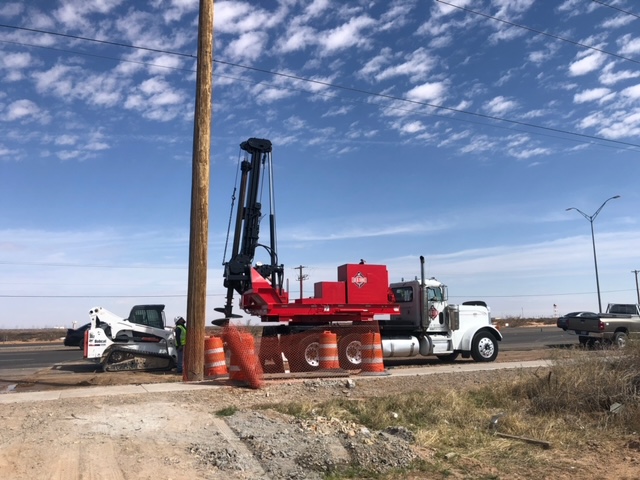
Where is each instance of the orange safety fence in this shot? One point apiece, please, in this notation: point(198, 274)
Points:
point(243, 364)
point(326, 349)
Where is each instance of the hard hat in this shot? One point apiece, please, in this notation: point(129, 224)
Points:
point(179, 319)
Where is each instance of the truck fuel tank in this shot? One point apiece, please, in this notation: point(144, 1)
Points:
point(400, 347)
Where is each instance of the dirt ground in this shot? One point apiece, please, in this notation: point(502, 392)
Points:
point(179, 435)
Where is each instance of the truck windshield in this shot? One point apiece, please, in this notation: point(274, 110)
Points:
point(434, 294)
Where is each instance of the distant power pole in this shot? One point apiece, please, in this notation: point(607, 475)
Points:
point(301, 277)
point(637, 289)
point(199, 233)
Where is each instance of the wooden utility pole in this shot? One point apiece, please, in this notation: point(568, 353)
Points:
point(637, 289)
point(301, 278)
point(199, 236)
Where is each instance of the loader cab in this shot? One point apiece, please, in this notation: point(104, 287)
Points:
point(148, 315)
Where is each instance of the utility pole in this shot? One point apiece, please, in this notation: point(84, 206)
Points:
point(199, 233)
point(637, 289)
point(301, 277)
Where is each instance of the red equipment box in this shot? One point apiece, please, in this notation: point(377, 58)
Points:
point(330, 292)
point(366, 284)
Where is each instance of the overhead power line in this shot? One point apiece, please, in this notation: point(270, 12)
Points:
point(616, 8)
point(176, 295)
point(610, 144)
point(540, 32)
point(354, 89)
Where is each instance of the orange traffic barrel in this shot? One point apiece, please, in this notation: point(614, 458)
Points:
point(239, 351)
point(329, 351)
point(372, 362)
point(215, 364)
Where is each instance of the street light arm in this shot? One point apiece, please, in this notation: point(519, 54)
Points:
point(601, 206)
point(580, 212)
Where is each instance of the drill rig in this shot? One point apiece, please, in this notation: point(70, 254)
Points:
point(414, 317)
point(361, 293)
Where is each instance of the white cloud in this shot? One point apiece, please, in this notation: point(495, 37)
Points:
point(632, 92)
point(297, 38)
point(66, 140)
point(346, 35)
point(609, 77)
point(500, 105)
point(16, 60)
point(508, 7)
point(11, 9)
point(247, 46)
point(444, 9)
point(412, 127)
point(21, 110)
point(57, 80)
point(587, 64)
point(629, 45)
point(617, 21)
point(479, 144)
point(528, 152)
point(427, 92)
point(416, 66)
point(591, 95)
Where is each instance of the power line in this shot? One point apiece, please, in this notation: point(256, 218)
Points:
point(175, 295)
point(77, 265)
point(616, 8)
point(427, 104)
point(105, 42)
point(331, 96)
point(533, 295)
point(540, 32)
point(359, 90)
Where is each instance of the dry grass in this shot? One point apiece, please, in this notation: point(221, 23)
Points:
point(32, 335)
point(569, 405)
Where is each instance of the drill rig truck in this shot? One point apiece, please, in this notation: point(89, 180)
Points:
point(413, 317)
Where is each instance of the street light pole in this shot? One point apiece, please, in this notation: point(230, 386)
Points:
point(591, 218)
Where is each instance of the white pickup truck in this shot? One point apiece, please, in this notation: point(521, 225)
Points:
point(615, 326)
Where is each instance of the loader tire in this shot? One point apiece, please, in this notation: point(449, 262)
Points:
point(484, 347)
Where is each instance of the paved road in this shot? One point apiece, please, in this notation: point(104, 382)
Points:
point(37, 356)
point(533, 338)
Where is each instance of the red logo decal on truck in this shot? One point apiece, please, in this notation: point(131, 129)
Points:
point(359, 280)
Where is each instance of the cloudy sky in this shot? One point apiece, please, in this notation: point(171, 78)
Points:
point(458, 130)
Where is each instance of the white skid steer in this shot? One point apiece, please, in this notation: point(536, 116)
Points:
point(140, 342)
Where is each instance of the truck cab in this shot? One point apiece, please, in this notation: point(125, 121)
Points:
point(424, 312)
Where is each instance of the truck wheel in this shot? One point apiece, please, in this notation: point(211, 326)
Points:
point(448, 358)
point(620, 340)
point(484, 347)
point(308, 354)
point(350, 351)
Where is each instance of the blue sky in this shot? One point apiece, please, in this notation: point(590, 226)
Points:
point(400, 128)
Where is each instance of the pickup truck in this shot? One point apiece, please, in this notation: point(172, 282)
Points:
point(613, 327)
